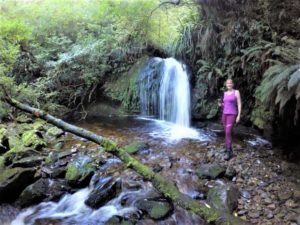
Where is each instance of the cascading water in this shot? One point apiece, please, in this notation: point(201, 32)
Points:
point(174, 93)
point(165, 93)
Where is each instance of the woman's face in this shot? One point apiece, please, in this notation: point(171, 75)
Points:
point(229, 84)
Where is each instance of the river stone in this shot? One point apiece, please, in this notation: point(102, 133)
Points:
point(212, 171)
point(43, 189)
point(13, 181)
point(224, 197)
point(156, 209)
point(136, 147)
point(28, 161)
point(80, 171)
point(118, 220)
point(104, 190)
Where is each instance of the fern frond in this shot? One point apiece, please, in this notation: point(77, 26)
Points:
point(284, 75)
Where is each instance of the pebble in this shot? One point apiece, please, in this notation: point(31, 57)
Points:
point(272, 206)
point(268, 201)
point(254, 214)
point(246, 194)
point(291, 204)
point(283, 196)
point(241, 212)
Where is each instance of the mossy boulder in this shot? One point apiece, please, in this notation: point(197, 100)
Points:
point(80, 171)
point(13, 181)
point(33, 138)
point(155, 209)
point(211, 171)
point(136, 147)
point(23, 119)
point(52, 134)
point(224, 197)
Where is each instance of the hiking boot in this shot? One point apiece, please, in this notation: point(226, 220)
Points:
point(228, 154)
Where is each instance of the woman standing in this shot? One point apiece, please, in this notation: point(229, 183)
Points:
point(232, 107)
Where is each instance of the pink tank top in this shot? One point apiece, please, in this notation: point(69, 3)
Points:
point(230, 103)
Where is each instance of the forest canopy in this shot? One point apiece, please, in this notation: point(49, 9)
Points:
point(78, 44)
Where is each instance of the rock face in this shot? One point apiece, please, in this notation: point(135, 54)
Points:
point(13, 181)
point(105, 190)
point(125, 90)
point(211, 171)
point(80, 171)
point(224, 197)
point(43, 189)
point(155, 209)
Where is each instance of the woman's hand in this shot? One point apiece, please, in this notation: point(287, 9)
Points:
point(237, 119)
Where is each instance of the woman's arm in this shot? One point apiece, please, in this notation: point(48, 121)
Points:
point(239, 104)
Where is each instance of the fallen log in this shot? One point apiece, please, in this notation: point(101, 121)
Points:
point(162, 184)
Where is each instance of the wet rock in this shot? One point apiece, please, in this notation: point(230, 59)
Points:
point(28, 161)
point(104, 190)
point(212, 171)
point(80, 171)
point(224, 197)
point(43, 189)
point(136, 147)
point(59, 172)
point(155, 209)
point(198, 195)
point(13, 181)
point(118, 220)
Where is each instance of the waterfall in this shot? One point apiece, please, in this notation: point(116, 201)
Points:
point(174, 93)
point(165, 91)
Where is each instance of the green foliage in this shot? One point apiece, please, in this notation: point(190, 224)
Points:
point(67, 49)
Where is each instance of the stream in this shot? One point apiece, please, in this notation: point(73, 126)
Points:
point(176, 150)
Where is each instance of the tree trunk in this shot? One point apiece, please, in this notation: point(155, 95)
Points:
point(162, 184)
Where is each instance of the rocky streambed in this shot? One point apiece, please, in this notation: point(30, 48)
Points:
point(50, 177)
